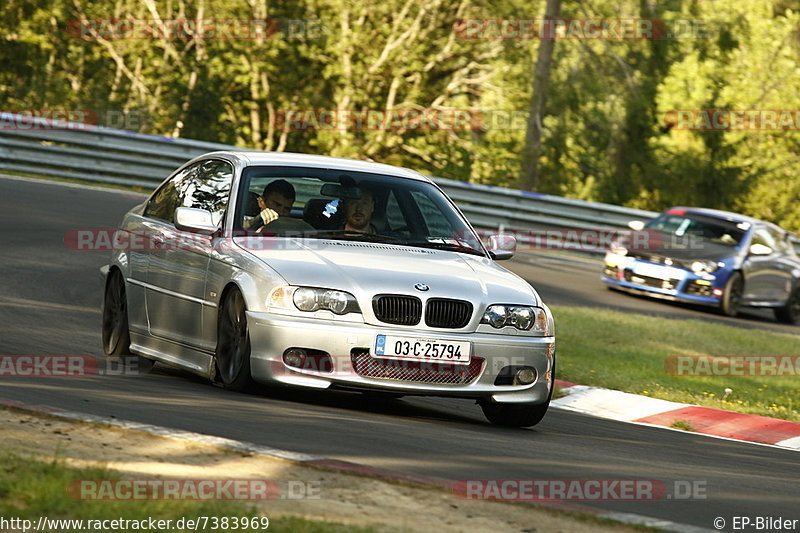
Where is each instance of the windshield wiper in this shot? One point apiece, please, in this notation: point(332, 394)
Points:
point(355, 235)
point(449, 246)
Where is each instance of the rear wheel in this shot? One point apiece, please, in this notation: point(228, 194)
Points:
point(233, 344)
point(116, 334)
point(790, 313)
point(732, 297)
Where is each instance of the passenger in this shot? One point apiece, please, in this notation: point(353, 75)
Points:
point(358, 212)
point(275, 202)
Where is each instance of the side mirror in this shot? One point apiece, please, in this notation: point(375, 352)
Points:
point(636, 225)
point(195, 220)
point(502, 246)
point(760, 249)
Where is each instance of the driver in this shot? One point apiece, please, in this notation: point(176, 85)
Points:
point(358, 212)
point(275, 202)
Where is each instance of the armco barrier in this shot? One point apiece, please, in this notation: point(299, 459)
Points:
point(86, 152)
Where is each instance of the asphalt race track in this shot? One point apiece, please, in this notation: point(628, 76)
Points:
point(50, 306)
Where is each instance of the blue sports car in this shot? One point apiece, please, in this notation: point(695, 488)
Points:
point(709, 257)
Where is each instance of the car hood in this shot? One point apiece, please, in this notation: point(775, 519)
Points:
point(366, 269)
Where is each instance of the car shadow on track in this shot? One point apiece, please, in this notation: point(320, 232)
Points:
point(452, 409)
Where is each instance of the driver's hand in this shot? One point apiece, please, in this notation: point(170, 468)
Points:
point(268, 215)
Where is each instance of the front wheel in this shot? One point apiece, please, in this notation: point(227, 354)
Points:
point(233, 344)
point(515, 415)
point(115, 332)
point(790, 313)
point(732, 297)
point(519, 415)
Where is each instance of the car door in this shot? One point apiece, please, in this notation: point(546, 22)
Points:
point(176, 273)
point(786, 265)
point(764, 277)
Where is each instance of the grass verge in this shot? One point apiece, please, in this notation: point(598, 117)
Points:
point(629, 352)
point(32, 488)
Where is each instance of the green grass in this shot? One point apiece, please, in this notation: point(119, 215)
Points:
point(682, 424)
point(30, 488)
point(627, 352)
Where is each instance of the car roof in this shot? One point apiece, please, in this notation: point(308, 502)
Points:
point(255, 158)
point(725, 215)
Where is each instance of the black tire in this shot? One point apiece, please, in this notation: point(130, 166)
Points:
point(515, 415)
point(375, 396)
point(790, 313)
point(233, 344)
point(116, 334)
point(732, 297)
point(518, 415)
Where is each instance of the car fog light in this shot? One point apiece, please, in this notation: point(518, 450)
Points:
point(294, 357)
point(717, 292)
point(525, 376)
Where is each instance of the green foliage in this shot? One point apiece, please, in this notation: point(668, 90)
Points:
point(609, 127)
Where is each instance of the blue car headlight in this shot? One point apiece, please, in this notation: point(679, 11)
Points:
point(698, 267)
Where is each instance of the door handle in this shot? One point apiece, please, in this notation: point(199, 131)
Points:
point(158, 240)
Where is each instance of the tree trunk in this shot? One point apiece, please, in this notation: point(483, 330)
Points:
point(529, 178)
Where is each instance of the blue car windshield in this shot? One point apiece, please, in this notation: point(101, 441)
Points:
point(716, 230)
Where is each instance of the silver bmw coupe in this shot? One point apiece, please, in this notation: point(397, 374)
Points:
point(310, 271)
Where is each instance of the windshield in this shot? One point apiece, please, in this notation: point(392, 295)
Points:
point(343, 205)
point(716, 230)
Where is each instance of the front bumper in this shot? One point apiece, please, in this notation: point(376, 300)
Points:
point(271, 335)
point(668, 283)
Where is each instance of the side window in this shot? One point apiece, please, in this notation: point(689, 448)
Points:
point(169, 197)
point(204, 185)
point(763, 237)
point(780, 242)
point(209, 188)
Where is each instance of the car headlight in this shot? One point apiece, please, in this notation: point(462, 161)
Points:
point(615, 248)
point(699, 267)
point(522, 317)
point(311, 299)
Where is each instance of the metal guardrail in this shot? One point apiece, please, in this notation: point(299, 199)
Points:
point(86, 152)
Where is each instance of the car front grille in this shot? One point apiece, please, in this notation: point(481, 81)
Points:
point(657, 283)
point(415, 371)
point(397, 309)
point(445, 313)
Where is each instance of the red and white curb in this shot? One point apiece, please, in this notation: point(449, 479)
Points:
point(336, 465)
point(627, 407)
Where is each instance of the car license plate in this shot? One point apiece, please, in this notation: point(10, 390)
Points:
point(657, 271)
point(390, 346)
